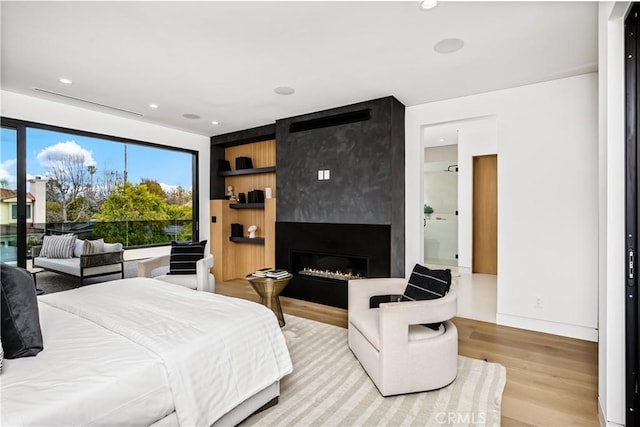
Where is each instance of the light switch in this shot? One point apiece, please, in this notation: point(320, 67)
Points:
point(320, 175)
point(326, 174)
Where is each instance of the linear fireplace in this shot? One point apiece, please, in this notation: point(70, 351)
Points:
point(323, 257)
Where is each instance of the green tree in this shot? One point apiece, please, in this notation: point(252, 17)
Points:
point(133, 215)
point(130, 202)
point(54, 212)
point(153, 186)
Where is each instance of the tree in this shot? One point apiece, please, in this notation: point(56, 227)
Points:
point(133, 215)
point(178, 196)
point(68, 179)
point(4, 183)
point(153, 186)
point(130, 202)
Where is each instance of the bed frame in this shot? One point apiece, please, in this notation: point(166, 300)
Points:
point(264, 399)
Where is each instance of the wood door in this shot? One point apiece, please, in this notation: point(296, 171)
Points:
point(485, 214)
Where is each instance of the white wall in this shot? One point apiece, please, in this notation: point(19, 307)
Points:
point(611, 188)
point(18, 106)
point(547, 148)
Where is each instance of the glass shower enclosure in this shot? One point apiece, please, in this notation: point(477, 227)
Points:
point(441, 208)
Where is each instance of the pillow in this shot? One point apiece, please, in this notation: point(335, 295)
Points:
point(58, 246)
point(78, 247)
point(91, 247)
point(184, 257)
point(424, 284)
point(20, 324)
point(112, 247)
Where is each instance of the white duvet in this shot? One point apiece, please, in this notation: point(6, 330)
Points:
point(215, 351)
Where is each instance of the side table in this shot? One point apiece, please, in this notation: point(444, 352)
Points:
point(269, 291)
point(34, 271)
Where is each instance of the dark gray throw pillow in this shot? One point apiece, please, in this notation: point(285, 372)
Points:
point(184, 256)
point(425, 283)
point(20, 333)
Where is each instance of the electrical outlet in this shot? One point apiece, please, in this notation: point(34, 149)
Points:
point(539, 304)
point(320, 175)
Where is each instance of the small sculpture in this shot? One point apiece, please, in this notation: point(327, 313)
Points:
point(230, 195)
point(252, 231)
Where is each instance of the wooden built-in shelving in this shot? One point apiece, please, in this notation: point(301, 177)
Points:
point(236, 257)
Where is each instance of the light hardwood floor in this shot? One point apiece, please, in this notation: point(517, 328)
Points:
point(551, 380)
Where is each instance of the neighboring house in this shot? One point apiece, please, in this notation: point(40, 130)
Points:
point(36, 210)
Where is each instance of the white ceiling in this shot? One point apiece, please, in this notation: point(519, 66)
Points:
point(222, 60)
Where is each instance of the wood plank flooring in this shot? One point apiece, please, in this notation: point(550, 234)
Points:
point(551, 380)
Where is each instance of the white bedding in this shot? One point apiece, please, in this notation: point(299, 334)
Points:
point(216, 351)
point(64, 385)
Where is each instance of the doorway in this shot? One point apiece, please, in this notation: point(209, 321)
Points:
point(449, 149)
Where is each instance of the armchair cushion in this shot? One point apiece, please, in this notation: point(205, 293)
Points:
point(425, 284)
point(184, 256)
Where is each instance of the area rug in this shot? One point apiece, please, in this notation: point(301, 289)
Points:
point(328, 387)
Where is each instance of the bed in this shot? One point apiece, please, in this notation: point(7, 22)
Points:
point(144, 352)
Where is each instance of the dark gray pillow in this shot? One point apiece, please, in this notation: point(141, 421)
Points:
point(20, 323)
point(425, 283)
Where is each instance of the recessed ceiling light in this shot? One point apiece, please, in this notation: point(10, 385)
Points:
point(65, 81)
point(284, 90)
point(448, 45)
point(191, 116)
point(213, 122)
point(153, 105)
point(441, 139)
point(428, 4)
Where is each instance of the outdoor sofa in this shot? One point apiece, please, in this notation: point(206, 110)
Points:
point(109, 260)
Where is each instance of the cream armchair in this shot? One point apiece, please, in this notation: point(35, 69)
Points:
point(399, 354)
point(158, 267)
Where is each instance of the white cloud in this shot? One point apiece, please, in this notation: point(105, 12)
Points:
point(167, 188)
point(8, 172)
point(57, 152)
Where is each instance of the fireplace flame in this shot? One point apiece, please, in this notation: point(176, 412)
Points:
point(328, 274)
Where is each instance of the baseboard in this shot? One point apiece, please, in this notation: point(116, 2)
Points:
point(602, 419)
point(554, 328)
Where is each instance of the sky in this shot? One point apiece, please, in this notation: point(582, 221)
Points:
point(169, 168)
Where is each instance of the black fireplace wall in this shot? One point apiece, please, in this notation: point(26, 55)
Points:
point(362, 147)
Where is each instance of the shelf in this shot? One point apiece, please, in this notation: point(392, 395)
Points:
point(248, 171)
point(246, 205)
point(255, 240)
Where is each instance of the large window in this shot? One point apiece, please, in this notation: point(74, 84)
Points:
point(98, 186)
